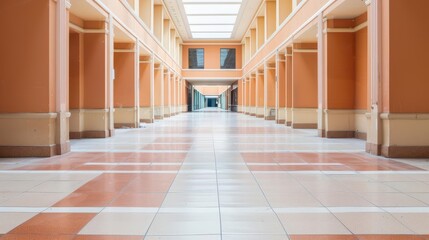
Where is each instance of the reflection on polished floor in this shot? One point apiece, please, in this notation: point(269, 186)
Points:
point(214, 175)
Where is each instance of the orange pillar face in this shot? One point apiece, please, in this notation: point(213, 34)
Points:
point(167, 94)
point(253, 96)
point(95, 71)
point(270, 91)
point(304, 86)
point(260, 99)
point(159, 91)
point(288, 86)
point(399, 123)
point(125, 82)
point(76, 71)
point(146, 89)
point(34, 79)
point(281, 90)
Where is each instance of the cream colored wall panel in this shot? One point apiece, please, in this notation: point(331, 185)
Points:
point(304, 115)
point(125, 115)
point(27, 129)
point(95, 120)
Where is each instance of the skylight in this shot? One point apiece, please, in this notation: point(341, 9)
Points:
point(210, 19)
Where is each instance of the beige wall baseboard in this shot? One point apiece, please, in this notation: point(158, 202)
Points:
point(270, 118)
point(91, 134)
point(281, 121)
point(288, 124)
point(304, 125)
point(126, 125)
point(340, 134)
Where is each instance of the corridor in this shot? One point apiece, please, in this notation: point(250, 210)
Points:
point(214, 175)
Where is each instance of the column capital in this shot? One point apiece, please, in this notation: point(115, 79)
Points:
point(367, 2)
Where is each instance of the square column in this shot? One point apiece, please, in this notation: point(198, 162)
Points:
point(270, 91)
point(167, 94)
point(399, 122)
point(304, 86)
point(252, 95)
point(34, 113)
point(281, 89)
point(260, 94)
point(147, 88)
point(288, 86)
point(159, 91)
point(125, 86)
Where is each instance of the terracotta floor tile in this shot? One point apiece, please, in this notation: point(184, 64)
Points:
point(152, 200)
point(36, 237)
point(54, 223)
point(87, 199)
point(102, 186)
point(322, 237)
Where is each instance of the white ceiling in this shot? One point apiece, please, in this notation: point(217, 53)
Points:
point(198, 20)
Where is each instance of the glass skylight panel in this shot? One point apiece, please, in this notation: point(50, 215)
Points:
point(211, 19)
point(201, 9)
point(212, 35)
point(212, 28)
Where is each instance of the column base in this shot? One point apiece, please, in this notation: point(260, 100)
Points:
point(125, 125)
point(372, 148)
point(146, 120)
point(340, 134)
point(304, 125)
point(34, 151)
point(92, 134)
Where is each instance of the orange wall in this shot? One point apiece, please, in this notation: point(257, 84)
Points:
point(27, 62)
point(95, 52)
point(212, 55)
point(340, 70)
point(260, 92)
point(158, 78)
point(288, 76)
point(124, 79)
point(408, 49)
point(281, 83)
point(145, 76)
point(76, 71)
point(253, 92)
point(304, 80)
point(271, 87)
point(361, 69)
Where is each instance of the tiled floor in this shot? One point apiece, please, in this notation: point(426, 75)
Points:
point(211, 176)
